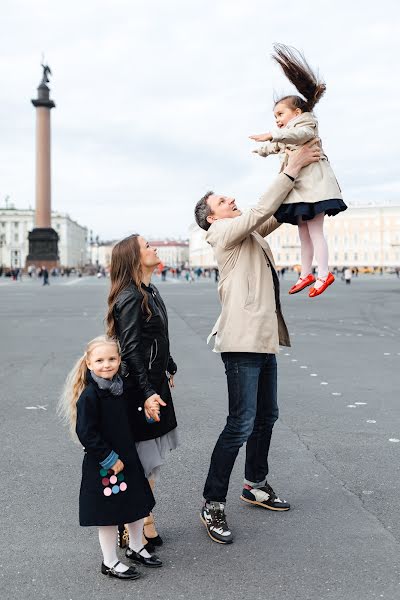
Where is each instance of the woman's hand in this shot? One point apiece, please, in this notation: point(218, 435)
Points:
point(118, 467)
point(152, 407)
point(262, 137)
point(171, 381)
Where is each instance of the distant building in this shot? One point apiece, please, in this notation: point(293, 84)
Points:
point(15, 224)
point(173, 253)
point(200, 252)
point(100, 253)
point(362, 236)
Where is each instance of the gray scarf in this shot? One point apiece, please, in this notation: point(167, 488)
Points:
point(114, 385)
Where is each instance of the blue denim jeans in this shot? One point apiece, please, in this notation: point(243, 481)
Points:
point(253, 410)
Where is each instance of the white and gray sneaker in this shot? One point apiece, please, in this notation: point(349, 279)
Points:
point(214, 518)
point(265, 497)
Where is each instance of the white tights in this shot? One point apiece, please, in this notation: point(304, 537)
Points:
point(108, 539)
point(313, 242)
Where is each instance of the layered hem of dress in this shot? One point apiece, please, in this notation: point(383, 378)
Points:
point(152, 453)
point(290, 213)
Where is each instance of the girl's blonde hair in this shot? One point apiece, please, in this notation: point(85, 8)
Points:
point(76, 383)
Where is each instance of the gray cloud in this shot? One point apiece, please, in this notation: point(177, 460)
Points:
point(155, 102)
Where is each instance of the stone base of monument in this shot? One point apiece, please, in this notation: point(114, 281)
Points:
point(43, 248)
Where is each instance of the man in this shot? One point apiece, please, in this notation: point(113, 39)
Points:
point(248, 334)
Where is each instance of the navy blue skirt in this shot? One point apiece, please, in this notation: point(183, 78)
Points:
point(290, 213)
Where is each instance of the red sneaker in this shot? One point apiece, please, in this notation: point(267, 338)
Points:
point(302, 283)
point(317, 291)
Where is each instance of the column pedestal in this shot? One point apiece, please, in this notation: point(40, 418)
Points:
point(43, 248)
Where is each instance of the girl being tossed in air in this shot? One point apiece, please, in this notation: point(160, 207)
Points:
point(316, 192)
point(114, 488)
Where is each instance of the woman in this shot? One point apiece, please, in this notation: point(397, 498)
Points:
point(137, 317)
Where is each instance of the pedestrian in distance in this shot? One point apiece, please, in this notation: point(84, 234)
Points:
point(348, 275)
point(247, 334)
point(45, 275)
point(113, 487)
point(137, 317)
point(316, 192)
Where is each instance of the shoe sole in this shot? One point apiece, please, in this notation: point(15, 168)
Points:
point(263, 505)
point(213, 538)
point(303, 288)
point(138, 562)
point(108, 574)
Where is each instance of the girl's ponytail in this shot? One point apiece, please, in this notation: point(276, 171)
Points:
point(73, 388)
point(299, 72)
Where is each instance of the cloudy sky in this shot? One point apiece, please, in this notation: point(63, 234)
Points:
point(156, 100)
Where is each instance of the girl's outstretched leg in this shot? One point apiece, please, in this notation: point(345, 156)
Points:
point(108, 543)
point(307, 251)
point(316, 232)
point(307, 248)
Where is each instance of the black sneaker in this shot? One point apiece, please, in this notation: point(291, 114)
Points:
point(265, 497)
point(214, 519)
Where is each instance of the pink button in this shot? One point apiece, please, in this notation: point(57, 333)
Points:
point(113, 479)
point(122, 486)
point(107, 491)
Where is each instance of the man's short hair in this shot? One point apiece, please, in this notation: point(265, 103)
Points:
point(202, 211)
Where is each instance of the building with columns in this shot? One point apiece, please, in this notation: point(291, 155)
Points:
point(15, 225)
point(173, 253)
point(362, 236)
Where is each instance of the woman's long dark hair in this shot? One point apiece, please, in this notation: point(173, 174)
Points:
point(299, 72)
point(125, 269)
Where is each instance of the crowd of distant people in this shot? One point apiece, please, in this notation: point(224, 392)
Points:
point(189, 274)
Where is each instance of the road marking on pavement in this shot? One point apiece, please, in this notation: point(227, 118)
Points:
point(393, 440)
point(38, 407)
point(386, 354)
point(324, 383)
point(336, 393)
point(294, 359)
point(313, 374)
point(359, 334)
point(287, 353)
point(368, 492)
point(371, 421)
point(303, 367)
point(351, 406)
point(360, 403)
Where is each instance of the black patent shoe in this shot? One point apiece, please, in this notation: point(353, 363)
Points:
point(131, 573)
point(153, 561)
point(154, 541)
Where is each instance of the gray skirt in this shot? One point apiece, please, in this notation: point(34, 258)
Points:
point(152, 453)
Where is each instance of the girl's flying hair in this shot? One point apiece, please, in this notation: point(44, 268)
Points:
point(76, 383)
point(299, 72)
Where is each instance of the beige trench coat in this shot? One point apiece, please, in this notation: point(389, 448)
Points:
point(317, 181)
point(249, 321)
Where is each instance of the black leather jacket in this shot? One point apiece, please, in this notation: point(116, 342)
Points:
point(144, 343)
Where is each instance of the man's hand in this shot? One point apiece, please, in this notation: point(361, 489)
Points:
point(261, 137)
point(307, 154)
point(118, 467)
point(152, 407)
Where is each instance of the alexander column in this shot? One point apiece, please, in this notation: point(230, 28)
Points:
point(43, 240)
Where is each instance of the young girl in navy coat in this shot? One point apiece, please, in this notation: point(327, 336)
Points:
point(114, 488)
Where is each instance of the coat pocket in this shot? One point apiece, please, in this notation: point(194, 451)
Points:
point(250, 292)
point(112, 484)
point(153, 353)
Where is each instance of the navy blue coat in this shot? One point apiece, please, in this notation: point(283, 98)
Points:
point(102, 426)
